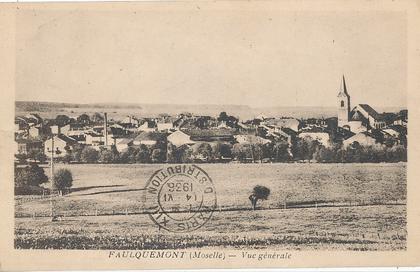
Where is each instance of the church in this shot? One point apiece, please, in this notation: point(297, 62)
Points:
point(359, 119)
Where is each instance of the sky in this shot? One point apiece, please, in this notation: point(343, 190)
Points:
point(202, 55)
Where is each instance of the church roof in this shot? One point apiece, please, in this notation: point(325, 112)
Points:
point(371, 111)
point(357, 116)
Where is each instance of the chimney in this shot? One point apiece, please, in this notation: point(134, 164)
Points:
point(105, 129)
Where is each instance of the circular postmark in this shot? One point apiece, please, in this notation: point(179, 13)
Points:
point(180, 198)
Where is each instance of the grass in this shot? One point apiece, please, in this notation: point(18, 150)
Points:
point(355, 228)
point(108, 189)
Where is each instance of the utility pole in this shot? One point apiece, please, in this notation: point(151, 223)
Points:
point(52, 161)
point(52, 175)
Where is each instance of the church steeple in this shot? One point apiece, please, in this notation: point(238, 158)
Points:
point(343, 104)
point(343, 88)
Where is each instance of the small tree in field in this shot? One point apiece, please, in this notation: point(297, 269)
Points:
point(258, 193)
point(63, 180)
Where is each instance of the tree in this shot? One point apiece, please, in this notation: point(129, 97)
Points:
point(240, 152)
point(84, 119)
point(68, 157)
point(323, 154)
point(143, 154)
point(171, 155)
point(106, 156)
point(158, 155)
point(89, 155)
point(63, 180)
point(281, 151)
point(21, 157)
point(129, 155)
point(115, 153)
point(230, 121)
point(31, 175)
point(37, 155)
point(203, 152)
point(354, 152)
point(97, 117)
point(222, 150)
point(258, 193)
point(300, 149)
point(185, 154)
point(76, 153)
point(40, 156)
point(62, 120)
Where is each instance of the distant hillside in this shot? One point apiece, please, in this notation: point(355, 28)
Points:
point(120, 110)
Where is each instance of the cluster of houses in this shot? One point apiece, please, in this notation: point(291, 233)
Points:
point(360, 124)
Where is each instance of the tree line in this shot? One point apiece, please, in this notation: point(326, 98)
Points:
point(301, 150)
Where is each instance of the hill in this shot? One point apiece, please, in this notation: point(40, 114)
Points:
point(120, 110)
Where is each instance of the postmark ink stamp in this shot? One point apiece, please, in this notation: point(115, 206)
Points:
point(180, 198)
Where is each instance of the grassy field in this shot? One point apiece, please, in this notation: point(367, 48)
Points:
point(369, 212)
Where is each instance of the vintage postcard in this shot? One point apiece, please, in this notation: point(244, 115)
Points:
point(231, 134)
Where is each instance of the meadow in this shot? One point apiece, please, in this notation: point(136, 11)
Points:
point(328, 206)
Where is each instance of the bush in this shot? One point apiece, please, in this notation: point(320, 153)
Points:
point(63, 179)
point(89, 155)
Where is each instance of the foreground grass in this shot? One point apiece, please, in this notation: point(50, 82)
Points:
point(352, 228)
point(108, 189)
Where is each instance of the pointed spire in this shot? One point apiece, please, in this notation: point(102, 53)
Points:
point(344, 87)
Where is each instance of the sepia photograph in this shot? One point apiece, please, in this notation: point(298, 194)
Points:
point(152, 129)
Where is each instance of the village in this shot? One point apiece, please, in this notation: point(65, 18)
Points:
point(356, 134)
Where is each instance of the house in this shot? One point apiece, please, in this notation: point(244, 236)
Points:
point(340, 134)
point(25, 146)
point(363, 138)
point(33, 119)
point(392, 132)
point(65, 129)
point(21, 124)
point(123, 143)
point(179, 138)
point(286, 134)
point(131, 120)
point(165, 127)
point(55, 129)
point(396, 133)
point(279, 123)
point(81, 139)
point(94, 138)
point(400, 121)
point(210, 135)
point(149, 138)
point(62, 144)
point(251, 139)
point(317, 134)
point(148, 125)
point(76, 129)
point(35, 131)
